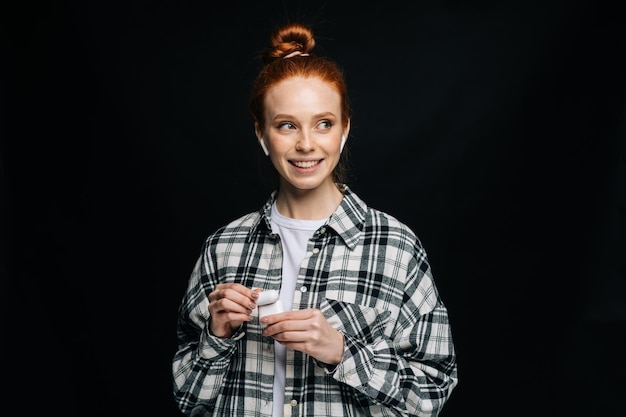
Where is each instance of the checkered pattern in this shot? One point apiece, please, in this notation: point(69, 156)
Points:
point(369, 274)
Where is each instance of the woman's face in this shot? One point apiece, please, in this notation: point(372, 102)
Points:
point(303, 131)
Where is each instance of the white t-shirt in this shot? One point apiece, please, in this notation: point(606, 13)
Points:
point(294, 235)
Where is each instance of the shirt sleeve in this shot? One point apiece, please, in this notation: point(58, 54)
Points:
point(201, 359)
point(413, 372)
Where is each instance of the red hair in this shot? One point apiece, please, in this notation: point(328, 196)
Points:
point(297, 40)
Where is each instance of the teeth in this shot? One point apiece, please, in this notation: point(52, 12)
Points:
point(307, 164)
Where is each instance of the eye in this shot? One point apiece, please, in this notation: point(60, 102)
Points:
point(285, 126)
point(325, 125)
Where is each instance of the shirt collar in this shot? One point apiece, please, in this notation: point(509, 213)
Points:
point(347, 221)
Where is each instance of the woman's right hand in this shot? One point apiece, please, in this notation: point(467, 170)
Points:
point(230, 305)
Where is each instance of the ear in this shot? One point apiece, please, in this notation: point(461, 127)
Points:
point(259, 136)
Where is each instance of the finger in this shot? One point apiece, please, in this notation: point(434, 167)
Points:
point(292, 315)
point(220, 290)
point(281, 327)
point(233, 317)
point(272, 319)
point(296, 325)
point(235, 293)
point(225, 305)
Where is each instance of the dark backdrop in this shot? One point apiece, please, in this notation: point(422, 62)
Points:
point(494, 129)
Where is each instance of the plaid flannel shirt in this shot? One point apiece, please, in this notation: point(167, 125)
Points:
point(369, 274)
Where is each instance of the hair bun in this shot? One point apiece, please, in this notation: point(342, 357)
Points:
point(288, 41)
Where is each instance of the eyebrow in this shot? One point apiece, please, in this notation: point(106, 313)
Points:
point(315, 116)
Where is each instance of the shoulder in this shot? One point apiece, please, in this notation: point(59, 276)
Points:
point(244, 229)
point(381, 220)
point(239, 228)
point(355, 217)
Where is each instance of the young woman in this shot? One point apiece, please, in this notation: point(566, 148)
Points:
point(359, 328)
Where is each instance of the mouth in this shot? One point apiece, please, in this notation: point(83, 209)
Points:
point(305, 164)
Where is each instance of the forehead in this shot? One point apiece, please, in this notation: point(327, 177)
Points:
point(299, 93)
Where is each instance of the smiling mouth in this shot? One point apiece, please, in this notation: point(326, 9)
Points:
point(306, 164)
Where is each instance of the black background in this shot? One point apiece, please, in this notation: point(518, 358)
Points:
point(495, 130)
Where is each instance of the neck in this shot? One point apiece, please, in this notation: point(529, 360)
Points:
point(315, 204)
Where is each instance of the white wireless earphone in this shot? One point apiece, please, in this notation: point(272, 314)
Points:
point(265, 150)
point(343, 142)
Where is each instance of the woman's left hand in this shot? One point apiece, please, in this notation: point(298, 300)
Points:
point(307, 331)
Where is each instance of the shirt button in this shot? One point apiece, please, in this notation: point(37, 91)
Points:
point(322, 230)
point(316, 250)
point(303, 289)
point(293, 403)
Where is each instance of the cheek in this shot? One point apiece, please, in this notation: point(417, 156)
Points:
point(279, 147)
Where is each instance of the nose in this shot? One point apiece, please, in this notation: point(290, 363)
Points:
point(305, 142)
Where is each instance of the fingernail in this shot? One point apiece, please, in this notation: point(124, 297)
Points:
point(252, 306)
